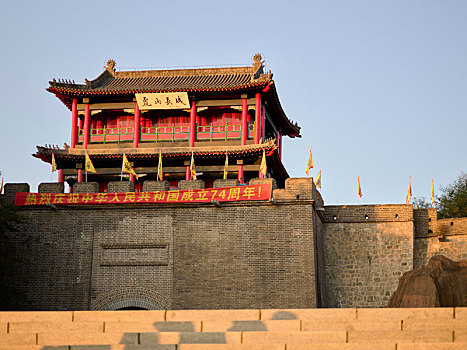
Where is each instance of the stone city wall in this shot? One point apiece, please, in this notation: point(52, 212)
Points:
point(446, 237)
point(366, 248)
point(178, 256)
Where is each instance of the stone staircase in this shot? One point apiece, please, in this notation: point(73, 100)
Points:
point(375, 329)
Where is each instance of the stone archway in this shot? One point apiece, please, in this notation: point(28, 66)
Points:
point(129, 298)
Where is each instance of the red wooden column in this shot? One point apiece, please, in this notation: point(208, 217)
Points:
point(257, 117)
point(74, 123)
point(87, 125)
point(80, 175)
point(137, 126)
point(187, 173)
point(244, 121)
point(61, 177)
point(263, 123)
point(193, 125)
point(244, 135)
point(132, 178)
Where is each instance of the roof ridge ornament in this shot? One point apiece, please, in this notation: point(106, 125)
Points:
point(111, 66)
point(258, 69)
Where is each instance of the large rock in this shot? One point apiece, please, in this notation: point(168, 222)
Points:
point(443, 282)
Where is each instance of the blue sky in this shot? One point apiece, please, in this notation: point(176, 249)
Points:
point(378, 87)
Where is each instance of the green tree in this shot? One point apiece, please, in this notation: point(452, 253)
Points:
point(452, 203)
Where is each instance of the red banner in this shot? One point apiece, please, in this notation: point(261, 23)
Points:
point(227, 194)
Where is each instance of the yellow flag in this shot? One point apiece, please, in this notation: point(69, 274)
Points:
point(318, 180)
point(226, 165)
point(54, 165)
point(88, 166)
point(309, 165)
point(263, 169)
point(415, 206)
point(409, 192)
point(359, 188)
point(126, 166)
point(192, 167)
point(432, 193)
point(160, 174)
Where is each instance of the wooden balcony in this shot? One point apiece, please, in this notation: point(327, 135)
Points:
point(167, 133)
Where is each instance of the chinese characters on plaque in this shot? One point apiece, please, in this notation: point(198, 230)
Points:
point(227, 194)
point(163, 100)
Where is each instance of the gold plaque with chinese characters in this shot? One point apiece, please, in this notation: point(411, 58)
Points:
point(164, 100)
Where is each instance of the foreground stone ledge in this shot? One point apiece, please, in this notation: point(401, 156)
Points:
point(231, 347)
point(358, 325)
point(306, 314)
point(212, 315)
point(251, 326)
point(432, 346)
point(294, 337)
point(190, 337)
point(68, 326)
point(347, 346)
point(405, 313)
point(36, 316)
point(60, 338)
point(383, 336)
point(17, 339)
point(117, 316)
point(151, 326)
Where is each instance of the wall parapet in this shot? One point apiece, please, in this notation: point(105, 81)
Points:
point(368, 213)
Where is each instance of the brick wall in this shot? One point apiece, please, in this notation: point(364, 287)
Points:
point(367, 248)
point(446, 237)
point(238, 255)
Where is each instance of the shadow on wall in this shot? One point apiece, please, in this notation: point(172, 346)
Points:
point(187, 334)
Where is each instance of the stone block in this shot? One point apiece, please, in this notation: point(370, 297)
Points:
point(405, 313)
point(303, 185)
point(191, 185)
point(120, 187)
point(282, 194)
point(3, 327)
point(432, 346)
point(78, 338)
point(191, 337)
point(51, 187)
point(153, 186)
point(330, 324)
point(120, 316)
point(219, 183)
point(460, 335)
point(420, 325)
point(85, 187)
point(36, 316)
point(309, 314)
point(331, 346)
point(151, 326)
point(258, 181)
point(294, 337)
point(251, 326)
point(8, 340)
point(231, 347)
point(37, 327)
point(461, 313)
point(386, 336)
point(213, 315)
point(10, 189)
